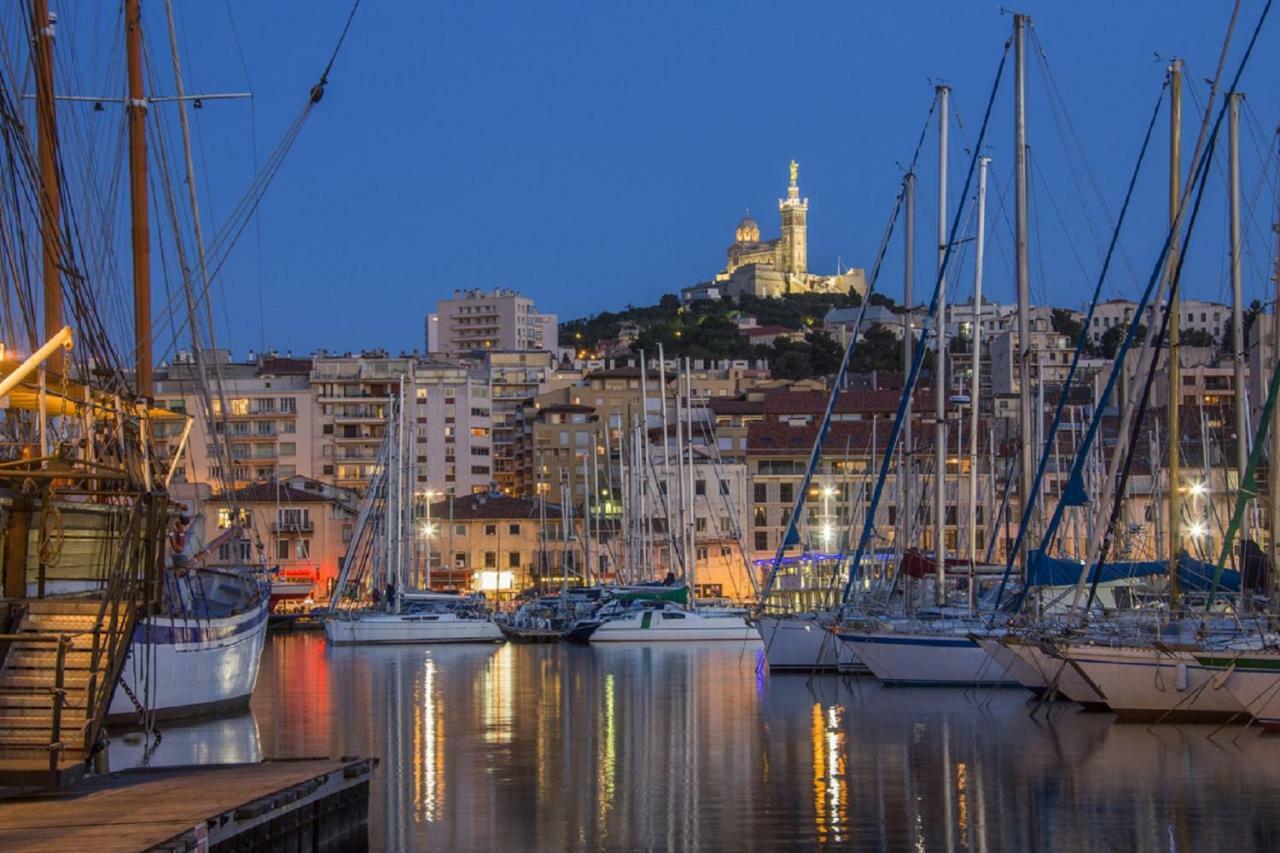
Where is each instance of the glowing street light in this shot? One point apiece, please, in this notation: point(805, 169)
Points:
point(1198, 530)
point(1198, 489)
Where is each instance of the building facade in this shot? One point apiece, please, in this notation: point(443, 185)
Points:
point(501, 319)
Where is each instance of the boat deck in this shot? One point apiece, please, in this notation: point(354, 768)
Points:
point(241, 806)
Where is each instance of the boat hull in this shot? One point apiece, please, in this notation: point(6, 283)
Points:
point(1253, 680)
point(396, 630)
point(1145, 685)
point(802, 643)
point(1047, 674)
point(187, 666)
point(658, 626)
point(933, 660)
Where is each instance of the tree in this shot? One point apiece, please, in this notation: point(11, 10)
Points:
point(1064, 323)
point(1228, 328)
point(1109, 344)
point(879, 349)
point(1197, 338)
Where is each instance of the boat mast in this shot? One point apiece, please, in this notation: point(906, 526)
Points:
point(586, 519)
point(50, 189)
point(1274, 462)
point(906, 463)
point(1175, 310)
point(691, 551)
point(141, 236)
point(974, 385)
point(1023, 267)
point(1237, 306)
point(940, 363)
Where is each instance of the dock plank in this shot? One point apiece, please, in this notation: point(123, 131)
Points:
point(139, 809)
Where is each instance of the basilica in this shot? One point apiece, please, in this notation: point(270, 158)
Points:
point(775, 267)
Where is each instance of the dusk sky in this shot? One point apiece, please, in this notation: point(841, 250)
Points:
point(597, 154)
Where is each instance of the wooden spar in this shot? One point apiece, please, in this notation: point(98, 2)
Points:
point(141, 237)
point(50, 189)
point(1175, 307)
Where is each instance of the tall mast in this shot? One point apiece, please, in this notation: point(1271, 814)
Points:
point(905, 511)
point(1237, 302)
point(974, 385)
point(141, 238)
point(1274, 462)
point(1023, 265)
point(50, 189)
point(1175, 310)
point(940, 364)
point(692, 530)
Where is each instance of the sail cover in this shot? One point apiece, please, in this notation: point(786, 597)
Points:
point(1193, 574)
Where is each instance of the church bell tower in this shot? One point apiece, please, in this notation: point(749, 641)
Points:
point(793, 247)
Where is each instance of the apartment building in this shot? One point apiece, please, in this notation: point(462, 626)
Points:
point(353, 396)
point(1209, 317)
point(298, 527)
point(501, 319)
point(515, 379)
point(263, 433)
point(453, 446)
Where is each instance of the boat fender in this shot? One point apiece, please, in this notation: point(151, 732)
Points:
point(1181, 679)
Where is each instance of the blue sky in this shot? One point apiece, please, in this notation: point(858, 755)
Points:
point(597, 154)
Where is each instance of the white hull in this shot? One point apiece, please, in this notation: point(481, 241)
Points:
point(1143, 684)
point(187, 666)
point(1042, 672)
point(919, 659)
point(1254, 682)
point(390, 628)
point(802, 642)
point(656, 626)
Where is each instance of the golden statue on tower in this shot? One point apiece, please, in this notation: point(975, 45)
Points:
point(795, 172)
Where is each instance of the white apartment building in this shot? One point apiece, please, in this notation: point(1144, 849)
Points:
point(353, 397)
point(267, 420)
point(481, 320)
point(1194, 314)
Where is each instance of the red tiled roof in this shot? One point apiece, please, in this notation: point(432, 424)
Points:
point(270, 492)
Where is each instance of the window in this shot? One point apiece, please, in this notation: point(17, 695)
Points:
point(304, 549)
point(702, 553)
point(786, 492)
point(460, 529)
point(293, 518)
point(724, 487)
point(700, 524)
point(459, 560)
point(513, 529)
point(761, 492)
point(288, 405)
point(490, 560)
point(327, 429)
point(240, 406)
point(282, 549)
point(700, 487)
point(288, 448)
point(513, 560)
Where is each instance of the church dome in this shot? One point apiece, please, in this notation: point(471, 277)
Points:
point(748, 231)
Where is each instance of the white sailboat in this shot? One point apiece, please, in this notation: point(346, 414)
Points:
point(380, 541)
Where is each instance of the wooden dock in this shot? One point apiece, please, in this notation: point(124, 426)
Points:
point(306, 804)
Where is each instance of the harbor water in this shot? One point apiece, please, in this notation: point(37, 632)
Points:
point(559, 747)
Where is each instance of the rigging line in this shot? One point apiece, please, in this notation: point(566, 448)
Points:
point(791, 534)
point(1062, 116)
point(1203, 178)
point(234, 226)
point(253, 144)
point(918, 357)
point(1250, 220)
point(1024, 521)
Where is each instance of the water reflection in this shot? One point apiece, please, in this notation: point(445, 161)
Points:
point(568, 748)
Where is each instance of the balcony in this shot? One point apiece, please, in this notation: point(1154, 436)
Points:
point(292, 527)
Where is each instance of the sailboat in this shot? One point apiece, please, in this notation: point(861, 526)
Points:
point(668, 611)
point(377, 562)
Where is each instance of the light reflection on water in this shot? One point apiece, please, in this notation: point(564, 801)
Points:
point(689, 747)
